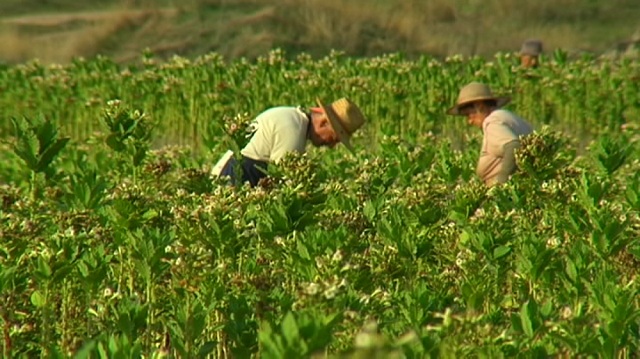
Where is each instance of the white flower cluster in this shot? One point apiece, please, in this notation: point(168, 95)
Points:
point(381, 296)
point(463, 257)
point(328, 289)
point(553, 242)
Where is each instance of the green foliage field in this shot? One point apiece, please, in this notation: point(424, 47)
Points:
point(116, 243)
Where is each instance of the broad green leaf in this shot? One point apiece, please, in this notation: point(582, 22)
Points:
point(44, 270)
point(136, 350)
point(464, 237)
point(139, 155)
point(501, 251)
point(206, 348)
point(546, 308)
point(290, 329)
point(61, 273)
point(86, 351)
point(46, 134)
point(50, 153)
point(198, 323)
point(150, 214)
point(268, 342)
point(525, 320)
point(369, 211)
point(570, 269)
point(37, 299)
point(114, 143)
point(102, 350)
point(55, 352)
point(25, 149)
point(302, 250)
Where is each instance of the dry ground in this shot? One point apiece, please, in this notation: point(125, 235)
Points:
point(249, 28)
point(60, 37)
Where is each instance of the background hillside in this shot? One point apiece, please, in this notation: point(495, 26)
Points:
point(58, 30)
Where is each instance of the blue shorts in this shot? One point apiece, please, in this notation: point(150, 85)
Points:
point(252, 170)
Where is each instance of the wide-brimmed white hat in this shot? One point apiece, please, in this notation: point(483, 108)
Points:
point(345, 118)
point(476, 91)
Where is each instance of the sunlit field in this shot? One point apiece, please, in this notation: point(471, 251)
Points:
point(115, 242)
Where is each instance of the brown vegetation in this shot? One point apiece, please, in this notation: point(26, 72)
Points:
point(249, 28)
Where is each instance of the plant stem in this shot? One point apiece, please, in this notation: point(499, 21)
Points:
point(34, 178)
point(187, 331)
point(65, 312)
point(45, 325)
point(150, 320)
point(6, 348)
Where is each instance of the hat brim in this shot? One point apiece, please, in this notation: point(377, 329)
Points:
point(343, 135)
point(500, 101)
point(529, 53)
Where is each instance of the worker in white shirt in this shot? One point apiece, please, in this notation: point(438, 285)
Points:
point(500, 127)
point(284, 129)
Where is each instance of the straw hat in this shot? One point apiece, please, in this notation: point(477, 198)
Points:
point(531, 47)
point(476, 91)
point(345, 118)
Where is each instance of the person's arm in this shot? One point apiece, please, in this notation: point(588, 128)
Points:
point(500, 144)
point(498, 136)
point(508, 166)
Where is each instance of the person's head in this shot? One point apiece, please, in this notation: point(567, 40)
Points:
point(476, 102)
point(477, 111)
point(335, 123)
point(530, 53)
point(321, 133)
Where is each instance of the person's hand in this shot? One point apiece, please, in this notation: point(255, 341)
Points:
point(266, 183)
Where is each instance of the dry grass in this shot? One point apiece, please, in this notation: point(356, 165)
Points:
point(60, 37)
point(443, 27)
point(249, 28)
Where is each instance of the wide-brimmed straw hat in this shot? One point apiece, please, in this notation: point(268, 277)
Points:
point(476, 91)
point(345, 118)
point(531, 47)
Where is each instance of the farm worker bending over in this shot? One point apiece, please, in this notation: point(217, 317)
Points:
point(501, 129)
point(530, 53)
point(284, 129)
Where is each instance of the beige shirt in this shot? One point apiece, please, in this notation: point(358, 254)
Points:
point(499, 128)
point(278, 130)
